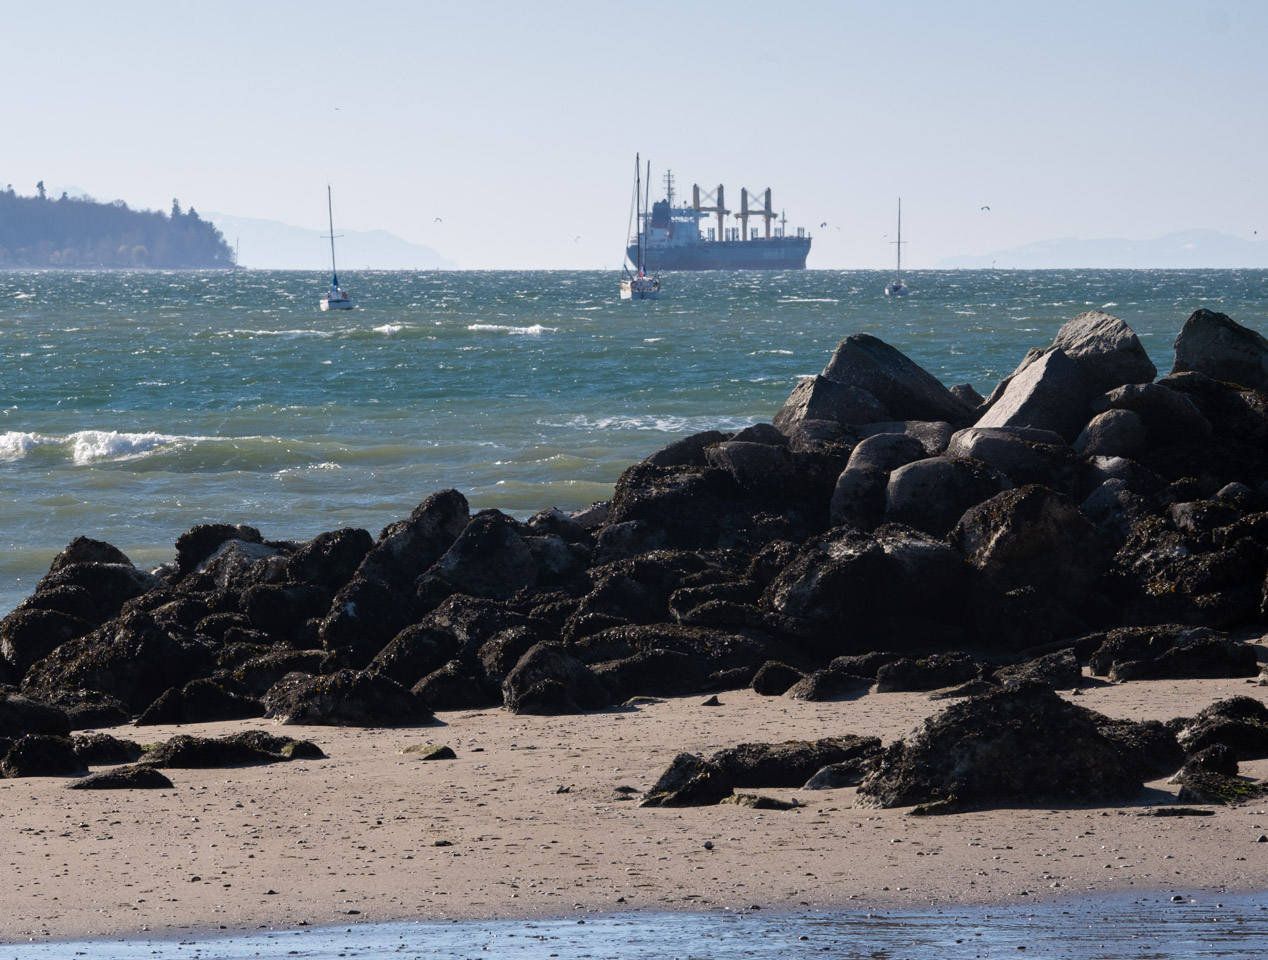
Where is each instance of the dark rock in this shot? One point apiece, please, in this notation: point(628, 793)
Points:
point(346, 698)
point(933, 435)
point(757, 802)
point(687, 452)
point(1059, 670)
point(1202, 786)
point(1192, 657)
point(789, 764)
point(489, 558)
point(329, 559)
point(1166, 415)
point(1147, 750)
point(1130, 644)
point(123, 778)
point(259, 672)
point(1017, 745)
point(548, 680)
point(652, 673)
point(1114, 433)
point(820, 398)
point(1240, 723)
point(104, 588)
point(774, 678)
point(21, 715)
point(453, 687)
point(1232, 410)
point(849, 773)
point(1023, 454)
point(1217, 758)
point(430, 751)
point(234, 566)
point(690, 781)
point(42, 755)
point(1106, 349)
point(415, 652)
point(100, 749)
point(248, 748)
point(1050, 393)
point(88, 709)
point(1033, 535)
point(87, 550)
point(859, 496)
point(199, 543)
point(1215, 345)
point(828, 685)
point(200, 701)
point(904, 388)
point(932, 494)
point(927, 673)
point(281, 609)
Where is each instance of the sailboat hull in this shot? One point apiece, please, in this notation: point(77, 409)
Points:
point(640, 288)
point(330, 303)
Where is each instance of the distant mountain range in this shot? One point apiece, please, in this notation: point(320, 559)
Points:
point(269, 245)
point(1175, 251)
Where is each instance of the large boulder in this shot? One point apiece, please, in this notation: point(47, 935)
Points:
point(1020, 745)
point(906, 390)
point(859, 496)
point(30, 635)
point(42, 755)
point(490, 558)
point(1107, 349)
point(247, 748)
point(329, 559)
point(199, 543)
point(99, 589)
point(21, 715)
point(1023, 454)
point(819, 398)
point(1050, 393)
point(347, 698)
point(1167, 415)
point(689, 781)
point(792, 763)
point(548, 680)
point(1238, 723)
point(932, 494)
point(1216, 345)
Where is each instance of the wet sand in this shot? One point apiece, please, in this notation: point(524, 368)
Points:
point(531, 820)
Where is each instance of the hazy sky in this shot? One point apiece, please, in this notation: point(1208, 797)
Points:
point(517, 123)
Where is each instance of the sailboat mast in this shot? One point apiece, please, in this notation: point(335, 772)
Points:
point(330, 212)
point(900, 234)
point(647, 206)
point(638, 212)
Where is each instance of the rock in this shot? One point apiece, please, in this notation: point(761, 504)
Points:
point(430, 751)
point(489, 558)
point(1233, 410)
point(21, 715)
point(1239, 723)
point(789, 764)
point(88, 709)
point(900, 385)
point(1018, 745)
point(1202, 786)
point(690, 781)
point(819, 398)
point(757, 802)
point(774, 678)
point(1166, 415)
point(235, 565)
point(1059, 670)
point(827, 685)
point(124, 778)
point(199, 701)
point(1215, 345)
point(849, 773)
point(86, 550)
point(548, 680)
point(859, 496)
point(247, 748)
point(1106, 349)
point(42, 755)
point(653, 673)
point(415, 652)
point(329, 559)
point(100, 589)
point(933, 672)
point(1114, 433)
point(453, 686)
point(1050, 393)
point(1033, 536)
point(100, 749)
point(346, 698)
point(282, 609)
point(687, 452)
point(1023, 454)
point(201, 542)
point(1191, 657)
point(1217, 758)
point(932, 494)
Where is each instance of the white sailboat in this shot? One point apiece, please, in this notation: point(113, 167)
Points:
point(896, 287)
point(636, 284)
point(334, 298)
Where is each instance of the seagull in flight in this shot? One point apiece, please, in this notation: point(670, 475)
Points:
point(438, 220)
point(986, 208)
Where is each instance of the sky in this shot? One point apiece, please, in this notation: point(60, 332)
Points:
point(503, 134)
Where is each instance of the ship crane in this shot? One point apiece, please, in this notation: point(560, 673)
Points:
point(719, 205)
point(766, 213)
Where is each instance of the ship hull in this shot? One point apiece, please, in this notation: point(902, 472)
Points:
point(781, 253)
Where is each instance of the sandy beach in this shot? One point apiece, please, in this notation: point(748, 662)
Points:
point(538, 816)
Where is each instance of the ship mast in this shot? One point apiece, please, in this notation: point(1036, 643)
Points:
point(899, 241)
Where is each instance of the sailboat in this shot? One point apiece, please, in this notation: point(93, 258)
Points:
point(334, 298)
point(636, 284)
point(896, 287)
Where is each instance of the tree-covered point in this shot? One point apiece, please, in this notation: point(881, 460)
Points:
point(81, 233)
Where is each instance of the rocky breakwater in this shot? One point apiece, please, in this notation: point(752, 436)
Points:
point(883, 532)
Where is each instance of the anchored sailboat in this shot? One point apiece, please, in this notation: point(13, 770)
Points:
point(335, 298)
point(636, 284)
point(896, 287)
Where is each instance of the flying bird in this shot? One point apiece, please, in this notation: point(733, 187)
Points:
point(986, 208)
point(824, 224)
point(438, 220)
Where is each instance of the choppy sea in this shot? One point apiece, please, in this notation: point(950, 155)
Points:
point(135, 405)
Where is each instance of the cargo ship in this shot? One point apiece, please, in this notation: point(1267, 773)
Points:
point(672, 238)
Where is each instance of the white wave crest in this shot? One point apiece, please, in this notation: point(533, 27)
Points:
point(88, 446)
point(390, 328)
point(536, 330)
point(15, 445)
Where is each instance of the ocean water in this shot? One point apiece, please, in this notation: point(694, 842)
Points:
point(1147, 928)
point(135, 405)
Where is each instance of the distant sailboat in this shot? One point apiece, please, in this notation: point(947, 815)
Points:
point(636, 284)
point(335, 298)
point(896, 287)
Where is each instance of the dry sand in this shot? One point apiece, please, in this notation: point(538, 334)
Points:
point(528, 821)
